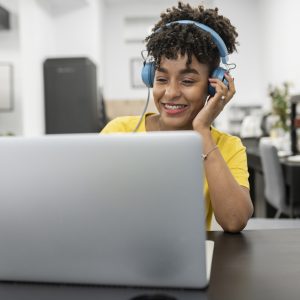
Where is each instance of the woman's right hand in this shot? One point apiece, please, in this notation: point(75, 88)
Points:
point(215, 104)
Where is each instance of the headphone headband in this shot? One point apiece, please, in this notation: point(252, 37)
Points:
point(148, 70)
point(215, 37)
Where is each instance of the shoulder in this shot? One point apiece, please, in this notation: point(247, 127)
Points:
point(234, 154)
point(121, 124)
point(227, 143)
point(221, 136)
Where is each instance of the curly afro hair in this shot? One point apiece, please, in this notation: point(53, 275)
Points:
point(177, 39)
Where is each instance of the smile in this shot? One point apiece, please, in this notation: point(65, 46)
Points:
point(174, 108)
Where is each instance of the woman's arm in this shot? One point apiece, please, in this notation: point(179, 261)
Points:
point(231, 202)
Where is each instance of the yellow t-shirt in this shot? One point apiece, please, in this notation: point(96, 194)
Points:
point(231, 148)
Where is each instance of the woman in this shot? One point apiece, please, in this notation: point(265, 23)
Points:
point(189, 96)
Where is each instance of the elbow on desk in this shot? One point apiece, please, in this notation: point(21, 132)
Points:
point(235, 220)
point(234, 228)
point(234, 225)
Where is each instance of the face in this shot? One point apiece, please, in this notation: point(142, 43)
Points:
point(179, 92)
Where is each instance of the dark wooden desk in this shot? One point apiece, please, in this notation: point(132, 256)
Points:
point(291, 171)
point(257, 264)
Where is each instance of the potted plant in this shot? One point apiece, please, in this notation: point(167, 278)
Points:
point(280, 96)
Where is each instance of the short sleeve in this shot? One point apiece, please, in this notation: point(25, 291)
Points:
point(237, 161)
point(116, 125)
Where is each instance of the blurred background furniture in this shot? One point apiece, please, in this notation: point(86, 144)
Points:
point(295, 124)
point(275, 191)
point(291, 175)
point(72, 100)
point(237, 124)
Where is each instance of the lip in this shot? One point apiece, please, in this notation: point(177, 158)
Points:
point(174, 108)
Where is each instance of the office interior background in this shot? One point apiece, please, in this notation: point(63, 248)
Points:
point(110, 33)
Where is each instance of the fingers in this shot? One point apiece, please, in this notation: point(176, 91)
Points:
point(223, 92)
point(215, 104)
point(231, 86)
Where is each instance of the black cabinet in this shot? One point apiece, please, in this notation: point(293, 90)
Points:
point(71, 95)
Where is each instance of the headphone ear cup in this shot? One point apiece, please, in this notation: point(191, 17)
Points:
point(218, 73)
point(148, 72)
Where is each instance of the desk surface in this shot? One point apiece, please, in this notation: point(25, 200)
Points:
point(258, 264)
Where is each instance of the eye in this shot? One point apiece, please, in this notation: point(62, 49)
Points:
point(188, 82)
point(161, 79)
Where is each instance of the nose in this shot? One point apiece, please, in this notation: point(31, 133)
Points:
point(172, 90)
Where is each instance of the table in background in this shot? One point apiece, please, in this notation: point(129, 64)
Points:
point(256, 264)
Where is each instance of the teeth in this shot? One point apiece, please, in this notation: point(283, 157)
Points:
point(178, 106)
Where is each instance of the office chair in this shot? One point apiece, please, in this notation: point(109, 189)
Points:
point(275, 191)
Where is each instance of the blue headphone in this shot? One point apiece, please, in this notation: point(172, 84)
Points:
point(148, 70)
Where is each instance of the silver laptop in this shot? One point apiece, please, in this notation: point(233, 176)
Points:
point(121, 209)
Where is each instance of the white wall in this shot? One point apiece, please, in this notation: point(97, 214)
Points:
point(77, 32)
point(245, 16)
point(248, 75)
point(117, 53)
point(37, 42)
point(11, 121)
point(269, 46)
point(280, 32)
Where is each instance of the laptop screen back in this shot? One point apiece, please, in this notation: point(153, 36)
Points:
point(122, 209)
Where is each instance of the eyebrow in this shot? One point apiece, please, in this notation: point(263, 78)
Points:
point(183, 71)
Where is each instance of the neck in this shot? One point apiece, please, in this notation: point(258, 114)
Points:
point(153, 123)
